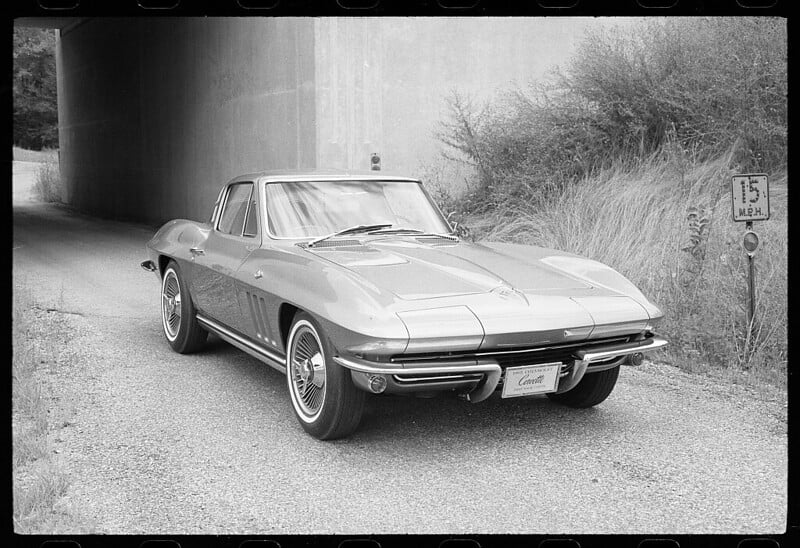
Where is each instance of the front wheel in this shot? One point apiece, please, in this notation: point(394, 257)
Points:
point(593, 389)
point(178, 316)
point(327, 403)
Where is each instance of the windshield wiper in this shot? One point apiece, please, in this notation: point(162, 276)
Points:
point(400, 230)
point(349, 230)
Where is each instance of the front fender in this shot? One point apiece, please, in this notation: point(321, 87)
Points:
point(599, 274)
point(358, 317)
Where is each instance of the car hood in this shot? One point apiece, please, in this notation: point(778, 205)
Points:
point(508, 295)
point(414, 270)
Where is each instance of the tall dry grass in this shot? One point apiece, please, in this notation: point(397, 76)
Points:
point(47, 186)
point(667, 226)
point(39, 483)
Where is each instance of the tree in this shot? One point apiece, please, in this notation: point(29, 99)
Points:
point(34, 89)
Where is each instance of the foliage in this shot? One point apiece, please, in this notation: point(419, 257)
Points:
point(681, 247)
point(34, 89)
point(626, 156)
point(695, 85)
point(38, 482)
point(47, 186)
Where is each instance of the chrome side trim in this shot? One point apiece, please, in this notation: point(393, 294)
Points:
point(270, 358)
point(491, 371)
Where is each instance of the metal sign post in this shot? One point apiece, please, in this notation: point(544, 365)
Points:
point(750, 200)
point(752, 278)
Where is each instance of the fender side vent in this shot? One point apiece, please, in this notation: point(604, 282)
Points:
point(258, 312)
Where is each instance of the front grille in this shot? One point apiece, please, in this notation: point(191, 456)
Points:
point(512, 357)
point(424, 379)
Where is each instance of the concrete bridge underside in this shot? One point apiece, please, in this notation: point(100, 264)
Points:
point(155, 114)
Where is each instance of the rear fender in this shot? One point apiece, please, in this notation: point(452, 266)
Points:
point(174, 240)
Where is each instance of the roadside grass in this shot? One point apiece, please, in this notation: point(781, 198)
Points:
point(39, 482)
point(47, 187)
point(666, 224)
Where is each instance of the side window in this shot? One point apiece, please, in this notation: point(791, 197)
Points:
point(251, 222)
point(235, 208)
point(217, 205)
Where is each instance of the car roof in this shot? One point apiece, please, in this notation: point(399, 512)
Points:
point(299, 175)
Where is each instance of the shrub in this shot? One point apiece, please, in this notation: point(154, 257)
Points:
point(626, 157)
point(47, 186)
point(668, 228)
point(696, 86)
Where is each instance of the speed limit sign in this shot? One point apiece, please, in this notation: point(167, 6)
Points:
point(750, 197)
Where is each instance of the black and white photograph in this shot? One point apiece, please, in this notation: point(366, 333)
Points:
point(380, 275)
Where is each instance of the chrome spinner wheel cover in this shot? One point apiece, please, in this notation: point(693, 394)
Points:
point(171, 304)
point(306, 371)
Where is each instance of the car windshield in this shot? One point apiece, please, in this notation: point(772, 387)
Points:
point(319, 208)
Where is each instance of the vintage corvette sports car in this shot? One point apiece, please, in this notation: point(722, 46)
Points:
point(354, 283)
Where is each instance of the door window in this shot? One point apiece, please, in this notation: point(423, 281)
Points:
point(233, 214)
point(251, 221)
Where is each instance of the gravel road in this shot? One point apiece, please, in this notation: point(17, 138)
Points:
point(156, 442)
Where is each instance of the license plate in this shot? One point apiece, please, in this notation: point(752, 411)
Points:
point(531, 379)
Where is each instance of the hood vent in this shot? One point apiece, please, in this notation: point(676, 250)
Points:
point(435, 240)
point(334, 243)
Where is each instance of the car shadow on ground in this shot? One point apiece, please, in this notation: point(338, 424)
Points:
point(395, 418)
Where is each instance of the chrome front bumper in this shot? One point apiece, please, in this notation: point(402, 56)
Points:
point(481, 376)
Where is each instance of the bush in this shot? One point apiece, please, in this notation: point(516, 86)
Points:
point(47, 187)
point(695, 85)
point(705, 81)
point(626, 157)
point(669, 229)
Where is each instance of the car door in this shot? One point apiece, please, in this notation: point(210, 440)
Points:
point(256, 298)
point(233, 237)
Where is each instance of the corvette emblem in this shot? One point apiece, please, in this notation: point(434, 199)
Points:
point(507, 292)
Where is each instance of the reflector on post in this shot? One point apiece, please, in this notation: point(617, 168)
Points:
point(750, 242)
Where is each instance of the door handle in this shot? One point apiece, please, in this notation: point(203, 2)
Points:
point(196, 251)
point(258, 274)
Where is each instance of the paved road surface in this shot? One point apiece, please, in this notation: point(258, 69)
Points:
point(24, 177)
point(163, 443)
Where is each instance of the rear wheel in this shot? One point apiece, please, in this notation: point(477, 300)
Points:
point(178, 316)
point(593, 389)
point(327, 403)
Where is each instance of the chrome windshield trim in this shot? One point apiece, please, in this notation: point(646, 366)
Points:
point(270, 358)
point(263, 181)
